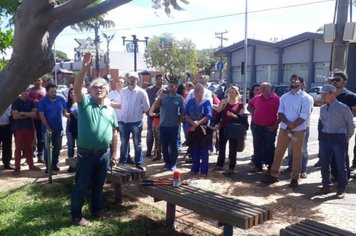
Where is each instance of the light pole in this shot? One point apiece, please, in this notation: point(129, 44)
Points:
point(134, 41)
point(246, 54)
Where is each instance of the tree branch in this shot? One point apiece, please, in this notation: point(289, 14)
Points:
point(90, 12)
point(68, 8)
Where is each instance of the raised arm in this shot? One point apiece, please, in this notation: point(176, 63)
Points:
point(78, 83)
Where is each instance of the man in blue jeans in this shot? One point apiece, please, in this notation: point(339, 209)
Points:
point(97, 130)
point(338, 127)
point(171, 114)
point(134, 103)
point(51, 109)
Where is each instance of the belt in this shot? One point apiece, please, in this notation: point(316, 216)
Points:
point(92, 151)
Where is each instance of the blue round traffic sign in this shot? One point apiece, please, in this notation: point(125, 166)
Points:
point(219, 66)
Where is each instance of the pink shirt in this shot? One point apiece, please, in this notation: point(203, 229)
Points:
point(265, 109)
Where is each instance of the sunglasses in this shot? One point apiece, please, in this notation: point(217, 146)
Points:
point(336, 80)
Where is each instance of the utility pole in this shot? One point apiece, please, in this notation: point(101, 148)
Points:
point(340, 47)
point(220, 35)
point(134, 40)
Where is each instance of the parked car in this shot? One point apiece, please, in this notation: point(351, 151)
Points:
point(315, 92)
point(280, 89)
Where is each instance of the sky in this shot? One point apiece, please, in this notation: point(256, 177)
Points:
point(266, 20)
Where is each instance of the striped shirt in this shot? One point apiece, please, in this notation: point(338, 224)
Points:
point(133, 104)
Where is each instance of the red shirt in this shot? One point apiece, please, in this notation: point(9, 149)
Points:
point(225, 119)
point(265, 109)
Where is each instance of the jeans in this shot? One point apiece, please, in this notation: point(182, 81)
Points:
point(304, 153)
point(179, 138)
point(333, 144)
point(263, 145)
point(200, 153)
point(125, 130)
point(56, 147)
point(282, 144)
point(169, 136)
point(39, 139)
point(222, 150)
point(6, 144)
point(91, 171)
point(150, 136)
point(71, 140)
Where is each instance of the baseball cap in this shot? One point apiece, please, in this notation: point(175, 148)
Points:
point(328, 88)
point(133, 74)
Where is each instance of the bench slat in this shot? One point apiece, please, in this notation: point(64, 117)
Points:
point(205, 207)
point(310, 227)
point(228, 204)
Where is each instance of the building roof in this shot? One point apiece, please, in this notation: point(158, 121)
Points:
point(281, 44)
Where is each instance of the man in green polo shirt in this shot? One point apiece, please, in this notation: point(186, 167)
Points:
point(97, 130)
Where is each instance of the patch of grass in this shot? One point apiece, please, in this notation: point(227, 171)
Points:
point(36, 209)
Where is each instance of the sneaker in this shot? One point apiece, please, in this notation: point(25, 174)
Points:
point(317, 164)
point(158, 158)
point(287, 171)
point(294, 183)
point(303, 175)
point(16, 172)
point(8, 167)
point(353, 167)
point(257, 169)
point(218, 168)
point(340, 194)
point(80, 222)
point(130, 161)
point(323, 191)
point(139, 166)
point(269, 179)
point(35, 168)
point(173, 168)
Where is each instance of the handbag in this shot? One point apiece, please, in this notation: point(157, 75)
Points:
point(234, 131)
point(240, 144)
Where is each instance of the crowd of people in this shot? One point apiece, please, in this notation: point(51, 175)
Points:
point(102, 121)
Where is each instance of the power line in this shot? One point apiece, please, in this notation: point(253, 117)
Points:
point(206, 18)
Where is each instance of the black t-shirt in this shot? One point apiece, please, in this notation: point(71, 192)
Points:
point(348, 98)
point(23, 106)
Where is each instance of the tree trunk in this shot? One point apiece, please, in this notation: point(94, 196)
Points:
point(38, 23)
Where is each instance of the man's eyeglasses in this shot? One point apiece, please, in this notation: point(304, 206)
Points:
point(98, 87)
point(336, 80)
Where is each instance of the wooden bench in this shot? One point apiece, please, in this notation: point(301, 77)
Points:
point(310, 227)
point(228, 211)
point(118, 176)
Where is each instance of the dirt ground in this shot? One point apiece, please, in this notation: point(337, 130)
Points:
point(289, 206)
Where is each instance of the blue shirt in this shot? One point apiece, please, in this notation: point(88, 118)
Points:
point(337, 118)
point(53, 111)
point(170, 111)
point(21, 105)
point(198, 111)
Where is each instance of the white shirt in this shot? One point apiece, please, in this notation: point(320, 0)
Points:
point(295, 106)
point(5, 117)
point(115, 96)
point(133, 104)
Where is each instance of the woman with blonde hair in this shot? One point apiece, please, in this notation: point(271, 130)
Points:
point(231, 109)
